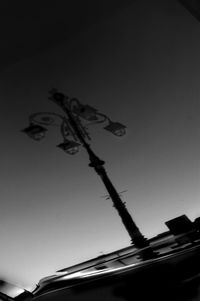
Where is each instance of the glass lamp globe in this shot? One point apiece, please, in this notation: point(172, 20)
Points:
point(36, 132)
point(69, 146)
point(116, 128)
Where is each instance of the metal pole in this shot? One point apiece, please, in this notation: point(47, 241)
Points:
point(136, 236)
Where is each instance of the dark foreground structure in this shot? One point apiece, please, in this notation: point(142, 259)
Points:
point(173, 275)
point(170, 277)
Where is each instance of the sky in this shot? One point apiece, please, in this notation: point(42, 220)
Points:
point(141, 68)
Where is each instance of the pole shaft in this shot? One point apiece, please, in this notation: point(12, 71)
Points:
point(136, 236)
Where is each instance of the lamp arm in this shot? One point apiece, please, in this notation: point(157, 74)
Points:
point(67, 130)
point(75, 101)
point(82, 128)
point(46, 118)
point(104, 118)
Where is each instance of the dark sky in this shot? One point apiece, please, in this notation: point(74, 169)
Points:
point(140, 67)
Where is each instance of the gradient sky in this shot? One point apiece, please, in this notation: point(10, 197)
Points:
point(141, 67)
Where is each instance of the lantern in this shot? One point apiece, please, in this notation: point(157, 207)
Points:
point(116, 128)
point(36, 132)
point(69, 146)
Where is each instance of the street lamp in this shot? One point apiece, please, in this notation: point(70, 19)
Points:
point(72, 125)
point(35, 131)
point(69, 146)
point(116, 128)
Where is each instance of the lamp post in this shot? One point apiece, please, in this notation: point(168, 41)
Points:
point(71, 126)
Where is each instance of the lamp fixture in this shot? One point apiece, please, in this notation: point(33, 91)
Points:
point(36, 132)
point(116, 128)
point(69, 146)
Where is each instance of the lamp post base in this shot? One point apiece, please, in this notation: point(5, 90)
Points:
point(145, 250)
point(147, 254)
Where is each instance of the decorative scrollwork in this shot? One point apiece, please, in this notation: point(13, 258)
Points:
point(74, 105)
point(101, 118)
point(83, 129)
point(67, 130)
point(46, 118)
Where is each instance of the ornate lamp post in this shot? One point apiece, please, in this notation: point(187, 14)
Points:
point(74, 135)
